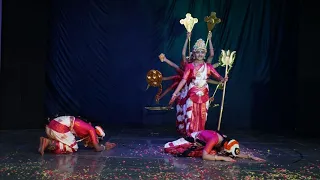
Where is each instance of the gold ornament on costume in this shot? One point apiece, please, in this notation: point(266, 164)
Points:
point(211, 21)
point(189, 22)
point(154, 79)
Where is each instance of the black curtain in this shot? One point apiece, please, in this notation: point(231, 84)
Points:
point(101, 51)
point(24, 51)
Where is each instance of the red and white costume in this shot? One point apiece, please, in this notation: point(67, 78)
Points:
point(181, 145)
point(181, 102)
point(193, 101)
point(211, 140)
point(63, 131)
point(197, 101)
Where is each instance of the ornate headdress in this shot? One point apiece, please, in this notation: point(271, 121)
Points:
point(232, 147)
point(199, 45)
point(100, 131)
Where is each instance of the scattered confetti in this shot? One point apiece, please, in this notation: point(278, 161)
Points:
point(146, 160)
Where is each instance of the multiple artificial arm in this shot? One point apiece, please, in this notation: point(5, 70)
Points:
point(180, 86)
point(184, 49)
point(172, 64)
point(174, 85)
point(210, 58)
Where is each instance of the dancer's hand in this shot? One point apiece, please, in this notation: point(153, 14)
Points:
point(211, 99)
point(109, 145)
point(209, 35)
point(215, 65)
point(162, 57)
point(157, 98)
point(229, 159)
point(173, 98)
point(257, 159)
point(225, 79)
point(88, 143)
point(188, 35)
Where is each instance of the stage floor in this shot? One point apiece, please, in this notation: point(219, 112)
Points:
point(139, 155)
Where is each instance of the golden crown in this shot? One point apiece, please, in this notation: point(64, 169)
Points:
point(200, 44)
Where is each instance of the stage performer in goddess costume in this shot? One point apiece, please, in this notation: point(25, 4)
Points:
point(182, 96)
point(184, 61)
point(197, 102)
point(207, 144)
point(62, 132)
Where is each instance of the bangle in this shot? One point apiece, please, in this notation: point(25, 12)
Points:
point(215, 157)
point(174, 94)
point(104, 148)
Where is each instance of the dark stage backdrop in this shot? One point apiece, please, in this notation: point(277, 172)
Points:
point(101, 51)
point(24, 53)
point(0, 30)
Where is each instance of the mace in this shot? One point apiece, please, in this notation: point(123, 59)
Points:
point(211, 21)
point(189, 23)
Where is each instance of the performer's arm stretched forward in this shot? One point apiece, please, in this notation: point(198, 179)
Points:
point(215, 142)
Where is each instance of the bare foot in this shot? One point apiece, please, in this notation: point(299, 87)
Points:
point(109, 145)
point(44, 142)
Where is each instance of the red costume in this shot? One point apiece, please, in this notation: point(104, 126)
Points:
point(206, 140)
point(181, 99)
point(197, 102)
point(180, 146)
point(82, 129)
point(62, 131)
point(211, 138)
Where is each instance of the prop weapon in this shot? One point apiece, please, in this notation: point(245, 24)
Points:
point(189, 23)
point(227, 59)
point(211, 21)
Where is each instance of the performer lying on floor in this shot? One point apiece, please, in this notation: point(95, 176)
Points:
point(207, 144)
point(62, 132)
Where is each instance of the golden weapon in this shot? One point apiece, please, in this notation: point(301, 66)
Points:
point(189, 23)
point(227, 59)
point(211, 21)
point(154, 79)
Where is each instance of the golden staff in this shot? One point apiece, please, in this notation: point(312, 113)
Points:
point(220, 86)
point(227, 59)
point(211, 21)
point(189, 23)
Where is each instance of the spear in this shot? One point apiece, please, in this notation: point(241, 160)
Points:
point(227, 59)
